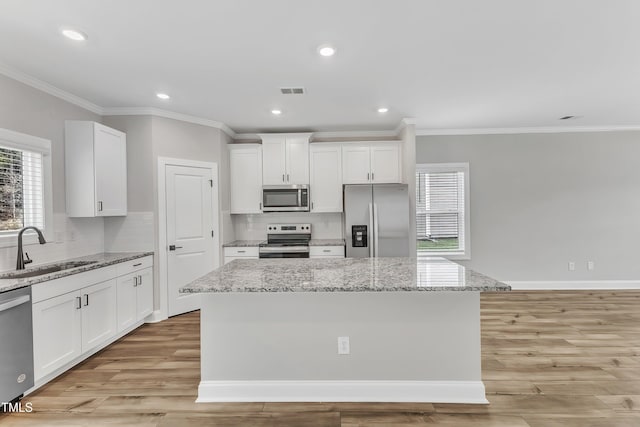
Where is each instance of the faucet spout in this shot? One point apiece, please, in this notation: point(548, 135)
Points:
point(21, 261)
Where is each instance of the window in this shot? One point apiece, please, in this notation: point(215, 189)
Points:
point(25, 184)
point(442, 204)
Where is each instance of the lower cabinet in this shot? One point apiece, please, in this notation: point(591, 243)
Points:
point(68, 325)
point(326, 252)
point(135, 297)
point(74, 315)
point(232, 252)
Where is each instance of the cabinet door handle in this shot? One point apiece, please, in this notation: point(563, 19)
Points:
point(135, 281)
point(282, 177)
point(260, 204)
point(78, 303)
point(368, 176)
point(311, 205)
point(287, 177)
point(86, 300)
point(99, 206)
point(372, 176)
point(139, 280)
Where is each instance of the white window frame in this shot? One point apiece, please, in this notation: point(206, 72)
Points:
point(20, 141)
point(465, 252)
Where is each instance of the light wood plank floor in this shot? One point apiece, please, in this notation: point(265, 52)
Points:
point(549, 359)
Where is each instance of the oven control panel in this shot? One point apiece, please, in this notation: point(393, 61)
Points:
point(289, 228)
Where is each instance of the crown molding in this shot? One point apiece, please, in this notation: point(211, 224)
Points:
point(102, 111)
point(525, 130)
point(50, 89)
point(150, 111)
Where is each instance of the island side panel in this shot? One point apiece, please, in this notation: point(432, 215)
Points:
point(250, 340)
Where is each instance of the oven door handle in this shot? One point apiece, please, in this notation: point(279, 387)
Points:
point(291, 249)
point(14, 302)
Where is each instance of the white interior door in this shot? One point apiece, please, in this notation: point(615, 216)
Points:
point(190, 232)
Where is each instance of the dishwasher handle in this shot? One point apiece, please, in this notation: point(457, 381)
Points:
point(4, 306)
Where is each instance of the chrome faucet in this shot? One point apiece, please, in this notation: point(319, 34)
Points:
point(21, 261)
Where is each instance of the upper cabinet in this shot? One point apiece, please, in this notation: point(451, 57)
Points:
point(285, 159)
point(326, 177)
point(95, 170)
point(371, 162)
point(245, 167)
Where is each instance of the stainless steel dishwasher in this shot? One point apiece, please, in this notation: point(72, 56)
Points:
point(16, 344)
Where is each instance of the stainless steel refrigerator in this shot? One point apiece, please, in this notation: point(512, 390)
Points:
point(376, 220)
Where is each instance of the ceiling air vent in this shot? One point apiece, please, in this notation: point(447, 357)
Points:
point(292, 90)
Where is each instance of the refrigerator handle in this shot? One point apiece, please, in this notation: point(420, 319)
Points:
point(371, 255)
point(375, 228)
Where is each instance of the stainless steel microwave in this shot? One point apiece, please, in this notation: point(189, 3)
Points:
point(285, 198)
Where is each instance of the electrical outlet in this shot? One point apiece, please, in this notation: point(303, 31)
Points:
point(343, 345)
point(591, 265)
point(572, 266)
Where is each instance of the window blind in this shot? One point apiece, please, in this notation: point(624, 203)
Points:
point(21, 189)
point(440, 210)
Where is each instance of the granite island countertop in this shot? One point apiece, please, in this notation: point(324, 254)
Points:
point(101, 260)
point(343, 275)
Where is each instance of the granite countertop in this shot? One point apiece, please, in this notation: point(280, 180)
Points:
point(326, 242)
point(343, 275)
point(101, 260)
point(243, 243)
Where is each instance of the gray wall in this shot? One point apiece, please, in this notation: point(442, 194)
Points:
point(539, 201)
point(31, 111)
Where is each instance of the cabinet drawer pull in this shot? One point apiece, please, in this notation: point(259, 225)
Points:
point(241, 252)
point(137, 265)
point(326, 250)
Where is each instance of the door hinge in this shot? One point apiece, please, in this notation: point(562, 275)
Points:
point(211, 183)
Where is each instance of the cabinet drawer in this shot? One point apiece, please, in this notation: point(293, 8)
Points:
point(322, 251)
point(251, 252)
point(134, 265)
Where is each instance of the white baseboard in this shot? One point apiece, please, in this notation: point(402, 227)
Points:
point(342, 391)
point(155, 317)
point(573, 285)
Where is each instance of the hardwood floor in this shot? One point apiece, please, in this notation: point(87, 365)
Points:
point(549, 359)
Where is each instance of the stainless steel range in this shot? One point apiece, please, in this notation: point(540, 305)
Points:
point(286, 241)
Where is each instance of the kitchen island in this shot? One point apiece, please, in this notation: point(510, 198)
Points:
point(345, 329)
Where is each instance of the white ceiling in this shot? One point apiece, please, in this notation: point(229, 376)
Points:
point(450, 64)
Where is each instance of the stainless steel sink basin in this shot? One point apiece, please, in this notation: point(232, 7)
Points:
point(39, 271)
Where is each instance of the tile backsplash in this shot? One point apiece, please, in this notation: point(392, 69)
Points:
point(254, 227)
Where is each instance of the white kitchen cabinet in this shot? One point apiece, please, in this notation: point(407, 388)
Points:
point(285, 159)
point(75, 315)
point(98, 312)
point(326, 252)
point(135, 297)
point(237, 252)
point(325, 165)
point(95, 170)
point(371, 162)
point(57, 332)
point(245, 165)
point(68, 325)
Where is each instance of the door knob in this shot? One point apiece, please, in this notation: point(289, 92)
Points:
point(174, 247)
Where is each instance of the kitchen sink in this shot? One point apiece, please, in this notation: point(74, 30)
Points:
point(39, 271)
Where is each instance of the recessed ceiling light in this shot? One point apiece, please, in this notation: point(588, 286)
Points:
point(276, 112)
point(74, 34)
point(162, 96)
point(326, 50)
point(383, 110)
